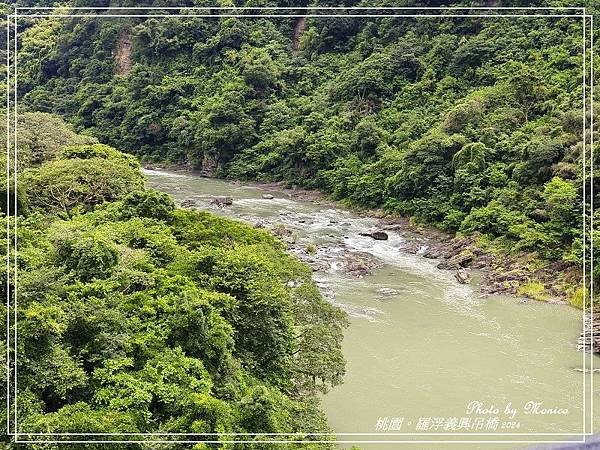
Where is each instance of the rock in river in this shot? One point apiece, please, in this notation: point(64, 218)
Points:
point(267, 196)
point(188, 203)
point(462, 276)
point(222, 201)
point(387, 292)
point(377, 235)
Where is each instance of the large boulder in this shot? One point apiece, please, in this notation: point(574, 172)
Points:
point(432, 253)
point(378, 235)
point(481, 262)
point(462, 276)
point(463, 259)
point(222, 201)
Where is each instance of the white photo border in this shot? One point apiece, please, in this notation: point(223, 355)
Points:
point(587, 231)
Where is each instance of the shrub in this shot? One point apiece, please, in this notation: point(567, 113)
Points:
point(61, 185)
point(88, 256)
point(534, 290)
point(150, 204)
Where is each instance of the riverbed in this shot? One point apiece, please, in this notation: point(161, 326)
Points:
point(420, 345)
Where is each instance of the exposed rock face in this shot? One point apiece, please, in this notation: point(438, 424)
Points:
point(506, 279)
point(299, 27)
point(585, 342)
point(462, 259)
point(210, 163)
point(122, 54)
point(481, 262)
point(378, 235)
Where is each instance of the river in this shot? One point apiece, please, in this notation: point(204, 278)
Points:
point(419, 344)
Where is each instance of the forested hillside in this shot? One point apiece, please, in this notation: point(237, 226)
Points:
point(135, 316)
point(473, 125)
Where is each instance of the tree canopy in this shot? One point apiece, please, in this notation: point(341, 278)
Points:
point(447, 119)
point(135, 316)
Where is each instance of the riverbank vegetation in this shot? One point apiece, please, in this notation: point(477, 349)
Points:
point(135, 316)
point(472, 125)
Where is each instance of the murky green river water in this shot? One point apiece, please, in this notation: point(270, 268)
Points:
point(420, 346)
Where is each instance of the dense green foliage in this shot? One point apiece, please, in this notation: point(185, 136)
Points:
point(135, 316)
point(473, 125)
